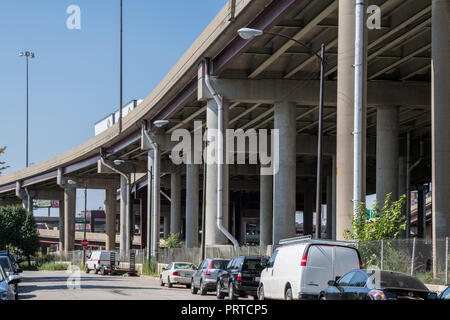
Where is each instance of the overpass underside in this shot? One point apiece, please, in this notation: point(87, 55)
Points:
point(271, 83)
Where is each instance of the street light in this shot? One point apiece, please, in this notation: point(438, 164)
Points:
point(27, 54)
point(248, 33)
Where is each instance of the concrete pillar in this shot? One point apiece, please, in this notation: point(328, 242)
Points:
point(401, 176)
point(440, 117)
point(329, 229)
point(61, 226)
point(243, 231)
point(284, 196)
point(69, 218)
point(266, 210)
point(308, 210)
point(333, 200)
point(110, 213)
point(124, 217)
point(387, 153)
point(192, 205)
point(421, 212)
point(154, 160)
point(166, 226)
point(345, 118)
point(175, 203)
point(213, 236)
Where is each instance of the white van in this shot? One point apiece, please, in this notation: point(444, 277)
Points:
point(301, 268)
point(101, 261)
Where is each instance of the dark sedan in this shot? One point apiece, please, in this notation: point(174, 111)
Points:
point(376, 285)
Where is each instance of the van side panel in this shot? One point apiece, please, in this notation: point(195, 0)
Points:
point(346, 259)
point(287, 270)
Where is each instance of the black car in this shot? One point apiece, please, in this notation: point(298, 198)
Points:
point(240, 278)
point(376, 285)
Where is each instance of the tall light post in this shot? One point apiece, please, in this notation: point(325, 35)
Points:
point(27, 55)
point(247, 33)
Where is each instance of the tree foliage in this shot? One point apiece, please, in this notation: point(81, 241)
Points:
point(2, 164)
point(385, 223)
point(18, 230)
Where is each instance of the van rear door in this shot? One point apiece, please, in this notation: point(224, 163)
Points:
point(318, 270)
point(346, 259)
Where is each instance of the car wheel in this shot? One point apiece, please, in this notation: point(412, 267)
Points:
point(255, 297)
point(96, 270)
point(288, 294)
point(161, 281)
point(87, 269)
point(322, 298)
point(102, 271)
point(261, 293)
point(193, 290)
point(219, 294)
point(188, 286)
point(16, 296)
point(231, 294)
point(169, 284)
point(203, 290)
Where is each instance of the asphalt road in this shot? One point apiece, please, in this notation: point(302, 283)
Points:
point(63, 285)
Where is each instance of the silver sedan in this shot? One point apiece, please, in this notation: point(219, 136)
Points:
point(177, 273)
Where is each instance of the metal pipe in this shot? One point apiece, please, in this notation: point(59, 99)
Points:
point(357, 133)
point(203, 247)
point(27, 162)
point(219, 101)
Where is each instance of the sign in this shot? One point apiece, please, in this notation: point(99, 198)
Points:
point(39, 204)
point(84, 243)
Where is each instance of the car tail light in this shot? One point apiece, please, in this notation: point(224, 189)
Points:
point(175, 273)
point(208, 272)
point(239, 277)
point(98, 262)
point(304, 260)
point(377, 295)
point(361, 265)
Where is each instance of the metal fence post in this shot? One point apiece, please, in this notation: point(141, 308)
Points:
point(382, 254)
point(446, 261)
point(413, 256)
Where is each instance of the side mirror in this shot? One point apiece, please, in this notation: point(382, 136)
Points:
point(337, 278)
point(331, 283)
point(14, 279)
point(432, 296)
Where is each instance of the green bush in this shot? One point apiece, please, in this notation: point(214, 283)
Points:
point(52, 266)
point(150, 270)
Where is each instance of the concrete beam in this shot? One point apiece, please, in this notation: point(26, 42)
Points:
point(305, 92)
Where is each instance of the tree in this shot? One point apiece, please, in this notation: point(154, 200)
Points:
point(29, 242)
point(385, 223)
point(2, 164)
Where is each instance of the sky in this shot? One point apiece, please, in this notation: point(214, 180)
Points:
point(74, 79)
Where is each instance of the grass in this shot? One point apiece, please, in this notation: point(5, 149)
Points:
point(428, 278)
point(151, 270)
point(52, 266)
point(24, 266)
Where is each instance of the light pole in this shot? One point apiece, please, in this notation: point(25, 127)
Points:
point(247, 33)
point(121, 67)
point(27, 54)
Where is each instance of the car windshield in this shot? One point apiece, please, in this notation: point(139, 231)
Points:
point(184, 266)
point(4, 262)
point(398, 280)
point(254, 264)
point(219, 264)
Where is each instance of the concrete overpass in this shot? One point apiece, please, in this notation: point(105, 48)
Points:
point(271, 83)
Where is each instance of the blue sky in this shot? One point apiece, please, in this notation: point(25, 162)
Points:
point(74, 79)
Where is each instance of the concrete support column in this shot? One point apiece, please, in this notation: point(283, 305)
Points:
point(192, 205)
point(333, 200)
point(440, 117)
point(110, 212)
point(420, 212)
point(308, 209)
point(124, 217)
point(387, 153)
point(154, 160)
point(401, 176)
point(61, 226)
point(175, 203)
point(213, 236)
point(70, 195)
point(166, 226)
point(284, 186)
point(266, 210)
point(345, 118)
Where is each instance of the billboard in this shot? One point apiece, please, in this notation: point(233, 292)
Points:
point(39, 204)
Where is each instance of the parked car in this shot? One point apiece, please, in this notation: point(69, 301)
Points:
point(9, 254)
point(300, 269)
point(11, 270)
point(7, 285)
point(240, 278)
point(100, 261)
point(177, 273)
point(376, 285)
point(445, 295)
point(205, 277)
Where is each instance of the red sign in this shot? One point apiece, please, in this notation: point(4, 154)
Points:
point(84, 243)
